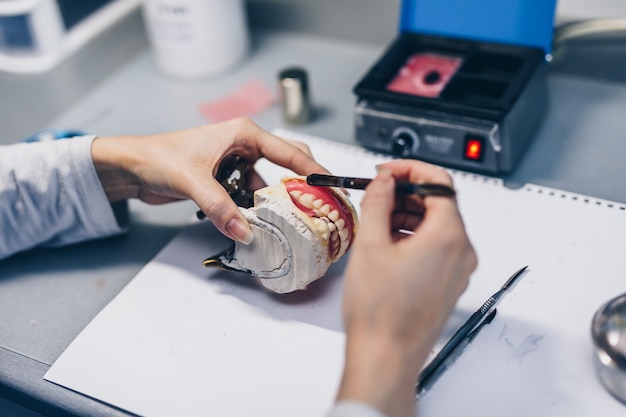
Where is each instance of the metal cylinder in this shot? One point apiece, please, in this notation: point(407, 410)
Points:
point(294, 94)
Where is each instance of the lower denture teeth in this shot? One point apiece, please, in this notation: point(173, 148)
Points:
point(332, 244)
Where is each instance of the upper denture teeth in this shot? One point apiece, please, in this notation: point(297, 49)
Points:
point(318, 203)
point(333, 215)
point(325, 209)
point(295, 194)
point(341, 223)
point(307, 200)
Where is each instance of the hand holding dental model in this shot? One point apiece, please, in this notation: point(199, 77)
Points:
point(291, 235)
point(182, 165)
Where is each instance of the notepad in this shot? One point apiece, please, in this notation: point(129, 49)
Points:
point(184, 340)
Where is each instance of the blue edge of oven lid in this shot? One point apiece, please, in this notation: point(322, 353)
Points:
point(517, 22)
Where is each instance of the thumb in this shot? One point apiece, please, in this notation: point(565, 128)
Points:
point(377, 206)
point(220, 208)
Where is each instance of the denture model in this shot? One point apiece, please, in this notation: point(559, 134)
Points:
point(299, 231)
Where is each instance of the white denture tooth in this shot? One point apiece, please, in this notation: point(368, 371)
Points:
point(318, 203)
point(334, 236)
point(295, 193)
point(333, 215)
point(343, 248)
point(325, 209)
point(318, 222)
point(343, 234)
point(307, 200)
point(341, 223)
point(344, 245)
point(332, 227)
point(322, 226)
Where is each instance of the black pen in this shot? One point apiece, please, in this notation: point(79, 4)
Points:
point(422, 189)
point(426, 383)
point(463, 332)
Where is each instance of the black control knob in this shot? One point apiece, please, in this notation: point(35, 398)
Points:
point(403, 142)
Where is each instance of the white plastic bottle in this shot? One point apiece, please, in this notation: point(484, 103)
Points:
point(194, 39)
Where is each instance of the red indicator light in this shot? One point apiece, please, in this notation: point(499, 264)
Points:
point(474, 149)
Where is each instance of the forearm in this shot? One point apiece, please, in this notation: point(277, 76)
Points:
point(50, 194)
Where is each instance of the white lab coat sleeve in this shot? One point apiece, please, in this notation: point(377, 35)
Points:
point(50, 195)
point(353, 409)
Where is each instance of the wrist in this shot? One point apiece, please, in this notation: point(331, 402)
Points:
point(113, 161)
point(379, 373)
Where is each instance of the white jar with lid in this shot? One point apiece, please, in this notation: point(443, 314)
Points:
point(194, 39)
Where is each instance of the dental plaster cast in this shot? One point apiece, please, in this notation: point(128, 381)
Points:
point(299, 231)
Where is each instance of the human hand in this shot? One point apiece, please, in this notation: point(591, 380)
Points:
point(179, 165)
point(400, 287)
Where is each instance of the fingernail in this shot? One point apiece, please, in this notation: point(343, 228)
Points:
point(238, 229)
point(385, 174)
point(380, 166)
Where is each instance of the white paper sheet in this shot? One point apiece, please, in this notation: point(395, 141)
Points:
point(184, 340)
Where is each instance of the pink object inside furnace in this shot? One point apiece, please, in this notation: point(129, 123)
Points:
point(425, 74)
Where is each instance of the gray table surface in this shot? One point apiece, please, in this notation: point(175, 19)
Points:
point(47, 296)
